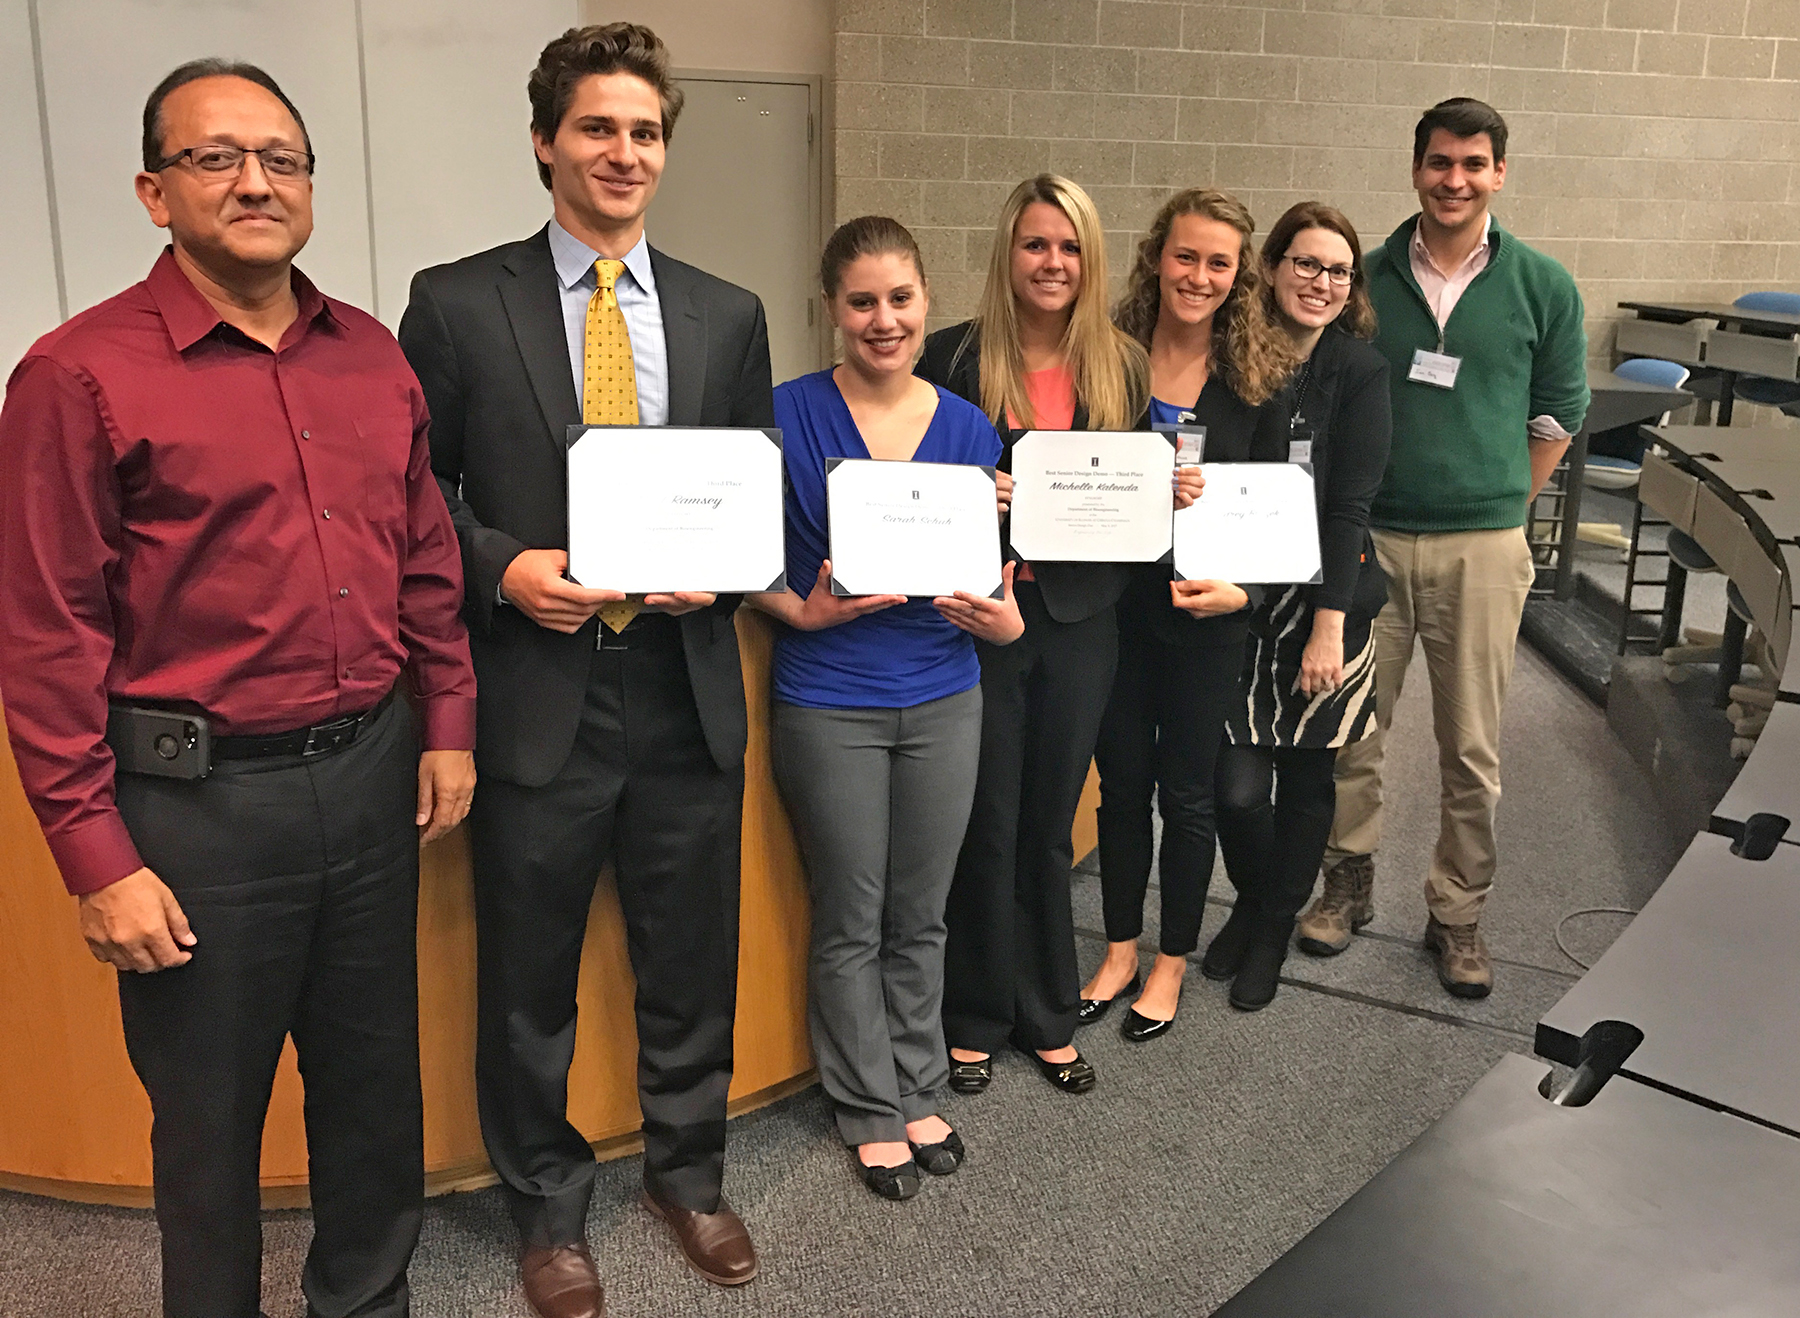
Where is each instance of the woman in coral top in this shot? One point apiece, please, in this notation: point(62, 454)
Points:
point(1041, 354)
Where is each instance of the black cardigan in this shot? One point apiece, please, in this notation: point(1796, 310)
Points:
point(1348, 410)
point(1071, 591)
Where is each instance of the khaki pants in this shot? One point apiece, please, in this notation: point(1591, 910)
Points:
point(1460, 594)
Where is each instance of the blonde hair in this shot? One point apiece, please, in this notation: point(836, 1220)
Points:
point(1248, 346)
point(1112, 373)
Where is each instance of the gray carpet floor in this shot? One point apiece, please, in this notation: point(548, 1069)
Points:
point(1197, 1161)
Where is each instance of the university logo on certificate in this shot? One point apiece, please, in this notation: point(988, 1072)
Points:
point(664, 508)
point(1092, 496)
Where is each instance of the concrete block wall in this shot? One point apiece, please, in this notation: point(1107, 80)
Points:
point(1655, 143)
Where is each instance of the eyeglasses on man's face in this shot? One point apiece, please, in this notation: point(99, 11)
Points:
point(220, 161)
point(1309, 268)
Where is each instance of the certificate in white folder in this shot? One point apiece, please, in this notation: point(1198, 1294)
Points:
point(664, 508)
point(1255, 523)
point(912, 528)
point(1092, 496)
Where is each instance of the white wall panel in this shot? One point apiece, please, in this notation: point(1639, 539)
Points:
point(27, 261)
point(449, 130)
point(102, 57)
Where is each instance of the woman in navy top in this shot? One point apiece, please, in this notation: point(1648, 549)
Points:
point(877, 725)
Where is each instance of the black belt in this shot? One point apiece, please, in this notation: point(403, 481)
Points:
point(320, 739)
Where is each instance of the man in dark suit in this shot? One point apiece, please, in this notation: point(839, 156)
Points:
point(614, 738)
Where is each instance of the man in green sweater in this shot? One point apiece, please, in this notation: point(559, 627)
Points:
point(1488, 357)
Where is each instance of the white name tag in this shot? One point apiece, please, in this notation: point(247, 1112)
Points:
point(1435, 368)
point(1300, 450)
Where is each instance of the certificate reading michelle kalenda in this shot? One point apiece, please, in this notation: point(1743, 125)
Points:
point(1255, 523)
point(912, 528)
point(663, 508)
point(1092, 496)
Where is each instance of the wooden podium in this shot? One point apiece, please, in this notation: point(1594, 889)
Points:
point(74, 1122)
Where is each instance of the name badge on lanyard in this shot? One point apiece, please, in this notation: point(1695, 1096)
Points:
point(1437, 369)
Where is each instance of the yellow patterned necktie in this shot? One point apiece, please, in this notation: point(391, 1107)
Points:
point(609, 387)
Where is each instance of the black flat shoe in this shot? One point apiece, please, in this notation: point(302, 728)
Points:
point(1259, 976)
point(1138, 1028)
point(900, 1182)
point(971, 1077)
point(1076, 1077)
point(1226, 951)
point(1092, 1009)
point(942, 1158)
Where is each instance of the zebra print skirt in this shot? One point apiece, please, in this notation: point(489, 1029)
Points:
point(1273, 712)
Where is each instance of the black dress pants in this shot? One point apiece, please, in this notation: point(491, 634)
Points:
point(1162, 733)
point(1009, 962)
point(300, 881)
point(640, 789)
point(1273, 847)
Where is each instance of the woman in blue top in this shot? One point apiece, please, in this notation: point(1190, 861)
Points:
point(877, 724)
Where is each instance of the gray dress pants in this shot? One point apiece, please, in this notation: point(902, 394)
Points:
point(879, 800)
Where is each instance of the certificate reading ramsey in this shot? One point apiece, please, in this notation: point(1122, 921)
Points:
point(1255, 522)
point(659, 508)
point(1092, 496)
point(912, 528)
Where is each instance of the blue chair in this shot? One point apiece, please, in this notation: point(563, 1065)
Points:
point(1784, 394)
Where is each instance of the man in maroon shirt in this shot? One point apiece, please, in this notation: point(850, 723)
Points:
point(219, 501)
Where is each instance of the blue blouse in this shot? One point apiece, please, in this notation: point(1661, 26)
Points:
point(1167, 414)
point(900, 656)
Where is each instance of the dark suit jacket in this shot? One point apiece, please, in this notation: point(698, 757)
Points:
point(1071, 591)
point(485, 335)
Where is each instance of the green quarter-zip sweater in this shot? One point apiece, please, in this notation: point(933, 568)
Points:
point(1460, 459)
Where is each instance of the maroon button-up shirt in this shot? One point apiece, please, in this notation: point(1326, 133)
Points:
point(188, 516)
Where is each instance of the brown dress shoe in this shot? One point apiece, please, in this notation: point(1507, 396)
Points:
point(560, 1282)
point(716, 1244)
point(1463, 965)
point(1343, 908)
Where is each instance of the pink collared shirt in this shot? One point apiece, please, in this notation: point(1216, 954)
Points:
point(1443, 291)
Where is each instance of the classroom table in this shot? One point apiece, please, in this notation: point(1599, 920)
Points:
point(1769, 782)
point(1707, 970)
point(1614, 402)
point(1760, 343)
point(1638, 1203)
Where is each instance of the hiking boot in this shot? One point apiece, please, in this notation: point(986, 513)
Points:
point(1463, 965)
point(1344, 907)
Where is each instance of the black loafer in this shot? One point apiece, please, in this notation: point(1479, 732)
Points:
point(900, 1182)
point(1226, 951)
point(1092, 1009)
point(1076, 1077)
point(1140, 1029)
point(971, 1077)
point(942, 1158)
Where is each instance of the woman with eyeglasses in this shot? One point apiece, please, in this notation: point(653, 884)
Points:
point(1041, 353)
point(1309, 673)
point(1216, 360)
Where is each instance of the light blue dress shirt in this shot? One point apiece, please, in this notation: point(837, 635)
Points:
point(636, 291)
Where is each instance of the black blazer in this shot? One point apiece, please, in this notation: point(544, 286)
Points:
point(1344, 407)
point(1235, 432)
point(485, 335)
point(1071, 591)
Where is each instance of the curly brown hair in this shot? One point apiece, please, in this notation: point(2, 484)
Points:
point(1251, 349)
point(1358, 315)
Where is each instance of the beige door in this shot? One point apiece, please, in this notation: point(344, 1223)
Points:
point(740, 199)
